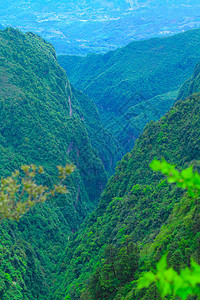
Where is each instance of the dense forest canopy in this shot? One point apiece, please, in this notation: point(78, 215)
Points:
point(44, 122)
point(135, 84)
point(96, 240)
point(139, 216)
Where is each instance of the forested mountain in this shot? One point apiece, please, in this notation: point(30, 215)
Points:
point(125, 82)
point(58, 250)
point(82, 27)
point(139, 217)
point(107, 147)
point(45, 121)
point(192, 85)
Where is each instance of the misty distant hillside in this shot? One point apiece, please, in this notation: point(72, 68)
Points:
point(82, 27)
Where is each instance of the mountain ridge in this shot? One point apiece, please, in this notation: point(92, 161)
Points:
point(44, 120)
point(137, 207)
point(41, 123)
point(133, 75)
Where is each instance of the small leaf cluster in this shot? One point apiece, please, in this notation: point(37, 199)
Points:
point(186, 179)
point(64, 171)
point(19, 192)
point(169, 282)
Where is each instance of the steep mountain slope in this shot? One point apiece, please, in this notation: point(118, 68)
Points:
point(42, 122)
point(129, 125)
point(138, 206)
point(35, 91)
point(192, 85)
point(104, 143)
point(121, 79)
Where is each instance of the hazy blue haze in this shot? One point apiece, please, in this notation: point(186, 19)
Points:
point(81, 27)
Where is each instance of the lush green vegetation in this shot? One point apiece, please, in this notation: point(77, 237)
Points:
point(126, 80)
point(20, 191)
point(139, 218)
point(43, 123)
point(167, 280)
point(192, 85)
point(108, 148)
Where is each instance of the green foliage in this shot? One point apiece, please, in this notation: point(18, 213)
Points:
point(169, 282)
point(19, 192)
point(42, 121)
point(191, 85)
point(139, 203)
point(37, 127)
point(186, 179)
point(118, 266)
point(102, 140)
point(136, 83)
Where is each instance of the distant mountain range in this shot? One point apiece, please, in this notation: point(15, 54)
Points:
point(137, 83)
point(81, 27)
